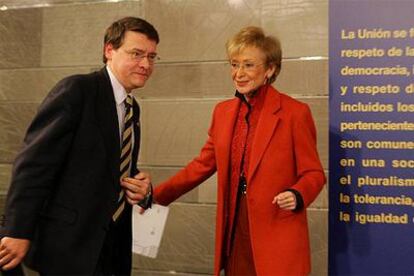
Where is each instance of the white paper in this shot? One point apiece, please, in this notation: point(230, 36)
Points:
point(147, 229)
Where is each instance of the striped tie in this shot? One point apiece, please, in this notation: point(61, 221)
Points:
point(126, 154)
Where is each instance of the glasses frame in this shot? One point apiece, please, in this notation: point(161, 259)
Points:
point(246, 66)
point(139, 56)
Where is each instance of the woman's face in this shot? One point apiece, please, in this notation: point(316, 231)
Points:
point(248, 70)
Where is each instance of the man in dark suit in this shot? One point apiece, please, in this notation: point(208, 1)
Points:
point(75, 180)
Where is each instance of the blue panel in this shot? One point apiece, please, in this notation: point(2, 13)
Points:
point(371, 197)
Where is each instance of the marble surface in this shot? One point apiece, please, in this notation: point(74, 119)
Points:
point(20, 41)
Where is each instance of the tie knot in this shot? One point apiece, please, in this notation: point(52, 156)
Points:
point(128, 100)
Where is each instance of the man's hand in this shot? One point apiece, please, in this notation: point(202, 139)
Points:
point(12, 252)
point(285, 200)
point(136, 188)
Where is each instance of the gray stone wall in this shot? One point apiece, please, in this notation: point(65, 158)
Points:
point(41, 41)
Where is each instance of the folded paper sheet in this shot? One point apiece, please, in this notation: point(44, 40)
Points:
point(148, 229)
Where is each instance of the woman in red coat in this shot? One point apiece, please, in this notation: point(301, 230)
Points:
point(262, 143)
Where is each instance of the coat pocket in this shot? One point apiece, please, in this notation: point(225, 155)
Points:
point(283, 214)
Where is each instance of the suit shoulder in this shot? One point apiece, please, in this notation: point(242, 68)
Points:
point(225, 103)
point(292, 104)
point(76, 86)
point(78, 80)
point(71, 91)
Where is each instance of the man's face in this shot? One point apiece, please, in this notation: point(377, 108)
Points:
point(133, 62)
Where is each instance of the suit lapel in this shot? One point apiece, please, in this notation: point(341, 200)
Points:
point(108, 121)
point(266, 126)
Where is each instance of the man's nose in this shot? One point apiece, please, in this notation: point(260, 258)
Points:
point(144, 62)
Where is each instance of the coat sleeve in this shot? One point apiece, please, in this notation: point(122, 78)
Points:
point(309, 170)
point(192, 175)
point(36, 167)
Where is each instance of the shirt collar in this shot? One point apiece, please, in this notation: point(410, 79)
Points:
point(120, 93)
point(257, 96)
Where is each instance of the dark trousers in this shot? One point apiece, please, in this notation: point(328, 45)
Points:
point(116, 253)
point(17, 271)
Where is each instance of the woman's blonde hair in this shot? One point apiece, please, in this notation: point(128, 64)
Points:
point(252, 36)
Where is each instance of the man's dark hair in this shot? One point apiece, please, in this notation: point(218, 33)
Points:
point(115, 33)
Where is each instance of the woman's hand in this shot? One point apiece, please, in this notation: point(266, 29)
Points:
point(285, 200)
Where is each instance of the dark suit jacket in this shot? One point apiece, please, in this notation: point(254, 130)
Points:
point(65, 180)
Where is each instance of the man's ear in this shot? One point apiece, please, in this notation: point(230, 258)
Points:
point(108, 50)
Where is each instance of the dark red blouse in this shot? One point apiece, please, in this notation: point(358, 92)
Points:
point(243, 135)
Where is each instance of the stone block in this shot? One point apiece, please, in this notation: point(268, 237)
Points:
point(302, 26)
point(173, 131)
point(14, 120)
point(33, 84)
point(20, 38)
point(72, 35)
point(197, 30)
point(5, 176)
point(318, 228)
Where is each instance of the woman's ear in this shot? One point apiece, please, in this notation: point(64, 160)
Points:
point(270, 71)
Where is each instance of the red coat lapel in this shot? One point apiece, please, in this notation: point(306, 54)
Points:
point(225, 125)
point(266, 126)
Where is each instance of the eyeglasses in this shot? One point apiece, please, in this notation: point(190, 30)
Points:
point(138, 56)
point(247, 67)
